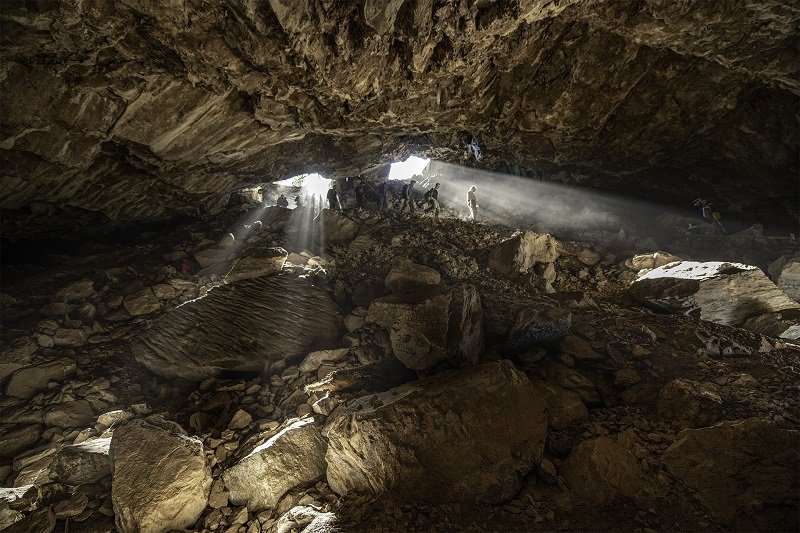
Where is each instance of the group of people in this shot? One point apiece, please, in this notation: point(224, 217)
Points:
point(430, 198)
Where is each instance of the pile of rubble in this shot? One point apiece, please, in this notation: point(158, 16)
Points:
point(284, 372)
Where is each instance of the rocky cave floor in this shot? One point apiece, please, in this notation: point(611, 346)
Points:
point(654, 421)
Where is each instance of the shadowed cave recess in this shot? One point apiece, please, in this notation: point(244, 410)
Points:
point(224, 308)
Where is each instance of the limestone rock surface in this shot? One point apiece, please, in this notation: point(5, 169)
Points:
point(466, 435)
point(258, 262)
point(26, 382)
point(293, 457)
point(688, 404)
point(519, 254)
point(433, 325)
point(160, 478)
point(79, 464)
point(238, 327)
point(725, 293)
point(745, 472)
point(408, 277)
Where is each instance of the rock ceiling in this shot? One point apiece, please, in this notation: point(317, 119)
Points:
point(138, 110)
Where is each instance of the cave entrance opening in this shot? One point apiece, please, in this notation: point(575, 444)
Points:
point(412, 166)
point(305, 189)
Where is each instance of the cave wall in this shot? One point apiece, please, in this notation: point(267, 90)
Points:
point(140, 110)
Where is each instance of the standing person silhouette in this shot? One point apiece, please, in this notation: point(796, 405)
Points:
point(472, 202)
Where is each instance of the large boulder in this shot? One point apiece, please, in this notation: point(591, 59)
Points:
point(598, 471)
point(429, 327)
point(519, 253)
point(725, 293)
point(295, 456)
point(142, 303)
point(467, 435)
point(27, 382)
point(688, 404)
point(785, 272)
point(332, 225)
point(535, 325)
point(79, 464)
point(745, 473)
point(238, 327)
point(18, 439)
point(257, 262)
point(17, 354)
point(410, 277)
point(160, 477)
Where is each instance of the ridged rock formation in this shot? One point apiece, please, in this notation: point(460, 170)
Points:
point(239, 327)
point(141, 110)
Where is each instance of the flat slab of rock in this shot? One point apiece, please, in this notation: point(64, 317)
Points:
point(79, 464)
point(431, 326)
point(238, 327)
point(142, 303)
point(456, 436)
point(27, 382)
point(725, 293)
point(160, 477)
point(258, 262)
point(519, 254)
point(294, 457)
point(744, 473)
point(18, 439)
point(409, 277)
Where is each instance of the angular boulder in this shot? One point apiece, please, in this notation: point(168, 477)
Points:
point(725, 293)
point(410, 277)
point(142, 303)
point(237, 327)
point(785, 272)
point(332, 225)
point(535, 325)
point(652, 260)
point(79, 290)
point(160, 478)
point(466, 435)
point(26, 382)
point(17, 354)
point(258, 262)
point(519, 253)
point(598, 471)
point(18, 439)
point(429, 327)
point(688, 404)
point(293, 457)
point(745, 473)
point(79, 464)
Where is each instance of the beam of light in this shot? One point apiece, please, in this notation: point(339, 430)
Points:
point(567, 211)
point(405, 169)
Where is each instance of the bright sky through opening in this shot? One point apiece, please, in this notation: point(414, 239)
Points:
point(405, 169)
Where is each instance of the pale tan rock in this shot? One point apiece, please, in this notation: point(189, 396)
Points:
point(331, 225)
point(314, 360)
point(142, 303)
point(256, 263)
point(521, 252)
point(79, 290)
point(241, 419)
point(79, 464)
point(69, 337)
point(160, 477)
point(652, 260)
point(293, 457)
point(17, 354)
point(456, 436)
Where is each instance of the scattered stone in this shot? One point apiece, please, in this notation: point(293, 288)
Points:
point(18, 354)
point(211, 256)
point(241, 419)
point(293, 457)
point(19, 439)
point(588, 257)
point(258, 262)
point(79, 464)
point(160, 477)
point(26, 382)
point(69, 337)
point(332, 225)
point(73, 414)
point(142, 303)
point(406, 440)
point(410, 277)
point(164, 291)
point(79, 290)
point(626, 377)
point(578, 349)
point(565, 408)
point(314, 360)
point(650, 261)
